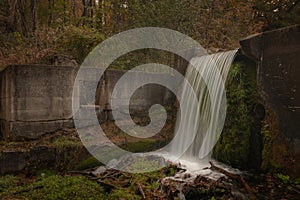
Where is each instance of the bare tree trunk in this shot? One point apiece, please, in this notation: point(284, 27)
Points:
point(50, 8)
point(65, 11)
point(84, 13)
point(115, 15)
point(21, 10)
point(33, 15)
point(13, 17)
point(73, 8)
point(11, 21)
point(99, 14)
point(93, 8)
point(92, 4)
point(102, 14)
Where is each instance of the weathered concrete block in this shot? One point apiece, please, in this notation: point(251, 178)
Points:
point(42, 153)
point(12, 161)
point(42, 157)
point(277, 53)
point(35, 99)
point(34, 129)
point(277, 56)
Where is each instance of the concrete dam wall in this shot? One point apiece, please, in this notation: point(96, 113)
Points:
point(36, 99)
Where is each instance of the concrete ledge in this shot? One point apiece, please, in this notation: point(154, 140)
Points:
point(42, 157)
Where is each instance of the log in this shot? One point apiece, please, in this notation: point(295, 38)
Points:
point(236, 177)
point(248, 188)
point(223, 171)
point(141, 190)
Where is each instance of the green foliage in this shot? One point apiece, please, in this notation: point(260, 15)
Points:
point(277, 14)
point(139, 57)
point(79, 42)
point(233, 145)
point(18, 37)
point(71, 28)
point(275, 154)
point(212, 23)
point(171, 172)
point(266, 153)
point(297, 183)
point(76, 27)
point(284, 178)
point(8, 183)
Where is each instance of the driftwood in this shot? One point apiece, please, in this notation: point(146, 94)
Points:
point(236, 177)
point(141, 190)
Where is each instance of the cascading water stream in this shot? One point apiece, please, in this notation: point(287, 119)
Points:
point(203, 119)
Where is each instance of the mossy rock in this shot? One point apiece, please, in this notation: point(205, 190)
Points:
point(145, 145)
point(89, 163)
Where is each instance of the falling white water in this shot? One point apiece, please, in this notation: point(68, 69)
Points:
point(204, 119)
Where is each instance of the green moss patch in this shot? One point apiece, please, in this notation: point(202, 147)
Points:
point(233, 145)
point(144, 145)
point(52, 187)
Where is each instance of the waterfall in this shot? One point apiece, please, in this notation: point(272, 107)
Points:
point(202, 120)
